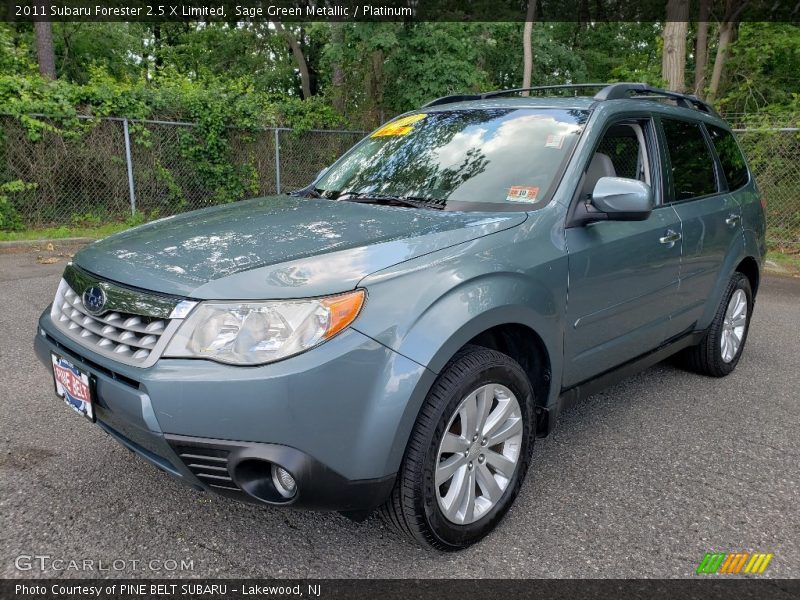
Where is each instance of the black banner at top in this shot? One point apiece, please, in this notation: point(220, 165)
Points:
point(385, 10)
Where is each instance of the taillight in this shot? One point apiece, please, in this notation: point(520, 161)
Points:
point(764, 204)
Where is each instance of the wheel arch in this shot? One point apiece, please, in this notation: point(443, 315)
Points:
point(504, 329)
point(748, 267)
point(526, 347)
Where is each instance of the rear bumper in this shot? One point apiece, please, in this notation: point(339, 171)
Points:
point(330, 417)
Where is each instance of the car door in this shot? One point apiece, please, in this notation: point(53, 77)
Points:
point(709, 213)
point(623, 276)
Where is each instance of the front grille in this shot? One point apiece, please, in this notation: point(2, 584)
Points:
point(126, 337)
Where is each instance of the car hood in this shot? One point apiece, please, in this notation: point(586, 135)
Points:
point(278, 247)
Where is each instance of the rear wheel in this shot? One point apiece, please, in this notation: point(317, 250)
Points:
point(720, 351)
point(468, 452)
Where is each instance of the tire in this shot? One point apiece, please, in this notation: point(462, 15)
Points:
point(708, 357)
point(416, 507)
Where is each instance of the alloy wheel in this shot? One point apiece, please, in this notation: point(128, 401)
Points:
point(478, 453)
point(733, 326)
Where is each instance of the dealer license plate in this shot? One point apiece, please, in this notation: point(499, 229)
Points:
point(74, 386)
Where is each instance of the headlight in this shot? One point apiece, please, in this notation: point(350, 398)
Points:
point(252, 333)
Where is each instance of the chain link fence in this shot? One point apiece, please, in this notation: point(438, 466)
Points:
point(774, 157)
point(110, 169)
point(113, 168)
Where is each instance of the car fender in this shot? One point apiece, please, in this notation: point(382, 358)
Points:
point(755, 245)
point(454, 318)
point(735, 255)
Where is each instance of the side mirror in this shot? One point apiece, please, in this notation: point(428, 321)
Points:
point(623, 199)
point(616, 199)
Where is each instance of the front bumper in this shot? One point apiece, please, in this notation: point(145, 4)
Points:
point(337, 418)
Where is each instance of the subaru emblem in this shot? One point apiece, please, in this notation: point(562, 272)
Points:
point(94, 299)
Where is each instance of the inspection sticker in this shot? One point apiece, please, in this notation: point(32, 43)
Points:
point(554, 140)
point(400, 126)
point(521, 193)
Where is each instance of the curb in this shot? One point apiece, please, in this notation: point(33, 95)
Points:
point(26, 244)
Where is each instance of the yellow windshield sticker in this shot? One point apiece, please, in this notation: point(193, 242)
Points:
point(400, 126)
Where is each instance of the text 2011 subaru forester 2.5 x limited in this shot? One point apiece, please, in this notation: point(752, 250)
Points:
point(398, 333)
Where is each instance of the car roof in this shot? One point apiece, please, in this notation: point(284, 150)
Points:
point(612, 98)
point(653, 106)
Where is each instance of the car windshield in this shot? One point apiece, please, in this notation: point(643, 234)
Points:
point(485, 159)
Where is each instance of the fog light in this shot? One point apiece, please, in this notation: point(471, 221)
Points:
point(284, 482)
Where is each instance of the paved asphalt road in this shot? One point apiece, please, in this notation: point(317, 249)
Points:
point(639, 481)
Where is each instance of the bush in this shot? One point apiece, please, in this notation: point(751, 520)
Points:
point(79, 162)
point(10, 219)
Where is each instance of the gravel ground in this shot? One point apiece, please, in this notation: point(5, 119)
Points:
point(639, 481)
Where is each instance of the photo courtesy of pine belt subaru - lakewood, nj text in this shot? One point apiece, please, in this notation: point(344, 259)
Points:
point(397, 334)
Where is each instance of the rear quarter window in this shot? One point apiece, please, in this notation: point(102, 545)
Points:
point(733, 163)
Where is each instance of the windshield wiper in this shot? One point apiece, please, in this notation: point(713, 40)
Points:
point(389, 199)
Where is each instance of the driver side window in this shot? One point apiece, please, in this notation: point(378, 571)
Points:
point(622, 152)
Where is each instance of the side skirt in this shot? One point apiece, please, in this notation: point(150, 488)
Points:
point(574, 394)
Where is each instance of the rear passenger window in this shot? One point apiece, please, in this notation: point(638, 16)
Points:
point(691, 160)
point(730, 156)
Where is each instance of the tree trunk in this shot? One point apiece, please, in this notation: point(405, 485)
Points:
point(725, 35)
point(527, 46)
point(297, 51)
point(701, 49)
point(374, 114)
point(727, 30)
point(673, 58)
point(337, 72)
point(45, 54)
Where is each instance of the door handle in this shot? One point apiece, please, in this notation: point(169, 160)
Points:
point(670, 237)
point(733, 219)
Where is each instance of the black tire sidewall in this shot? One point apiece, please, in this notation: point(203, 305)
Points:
point(739, 282)
point(459, 536)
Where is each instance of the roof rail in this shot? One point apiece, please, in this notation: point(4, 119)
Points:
point(449, 99)
point(538, 88)
point(617, 91)
point(494, 93)
point(609, 91)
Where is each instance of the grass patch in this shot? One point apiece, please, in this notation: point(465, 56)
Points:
point(786, 260)
point(58, 233)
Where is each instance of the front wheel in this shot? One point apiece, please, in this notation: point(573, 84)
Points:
point(468, 452)
point(721, 348)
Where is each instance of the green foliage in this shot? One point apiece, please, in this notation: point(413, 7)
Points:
point(139, 218)
point(762, 71)
point(10, 219)
point(223, 109)
point(233, 79)
point(90, 218)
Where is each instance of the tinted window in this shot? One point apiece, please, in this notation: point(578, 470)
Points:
point(730, 156)
point(691, 160)
point(460, 158)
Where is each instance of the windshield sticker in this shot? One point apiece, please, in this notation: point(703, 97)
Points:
point(521, 193)
point(399, 127)
point(554, 141)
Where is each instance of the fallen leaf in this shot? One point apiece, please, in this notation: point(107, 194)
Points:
point(47, 260)
point(50, 247)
